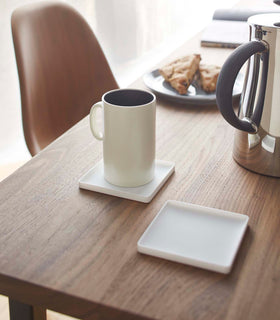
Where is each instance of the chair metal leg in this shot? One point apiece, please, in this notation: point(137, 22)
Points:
point(22, 311)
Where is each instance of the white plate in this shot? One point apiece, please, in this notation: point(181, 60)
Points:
point(199, 236)
point(194, 96)
point(94, 180)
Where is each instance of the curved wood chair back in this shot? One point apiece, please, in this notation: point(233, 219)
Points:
point(62, 70)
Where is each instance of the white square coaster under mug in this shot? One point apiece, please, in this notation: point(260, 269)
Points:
point(129, 165)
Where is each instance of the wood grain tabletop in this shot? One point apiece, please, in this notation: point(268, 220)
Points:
point(75, 251)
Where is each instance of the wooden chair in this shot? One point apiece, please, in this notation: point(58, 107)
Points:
point(62, 70)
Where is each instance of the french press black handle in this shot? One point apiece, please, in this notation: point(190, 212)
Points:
point(226, 81)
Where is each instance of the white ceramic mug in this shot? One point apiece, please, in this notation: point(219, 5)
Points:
point(129, 117)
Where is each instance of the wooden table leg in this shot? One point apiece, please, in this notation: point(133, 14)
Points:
point(22, 311)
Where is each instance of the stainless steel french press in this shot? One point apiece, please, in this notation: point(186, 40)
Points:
point(257, 140)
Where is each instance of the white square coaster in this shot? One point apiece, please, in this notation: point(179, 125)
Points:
point(199, 236)
point(94, 180)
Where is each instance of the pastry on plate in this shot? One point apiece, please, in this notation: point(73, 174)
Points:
point(180, 73)
point(208, 77)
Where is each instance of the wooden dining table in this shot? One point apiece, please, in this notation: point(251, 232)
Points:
point(75, 251)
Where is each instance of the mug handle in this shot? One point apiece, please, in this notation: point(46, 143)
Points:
point(92, 120)
point(226, 81)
